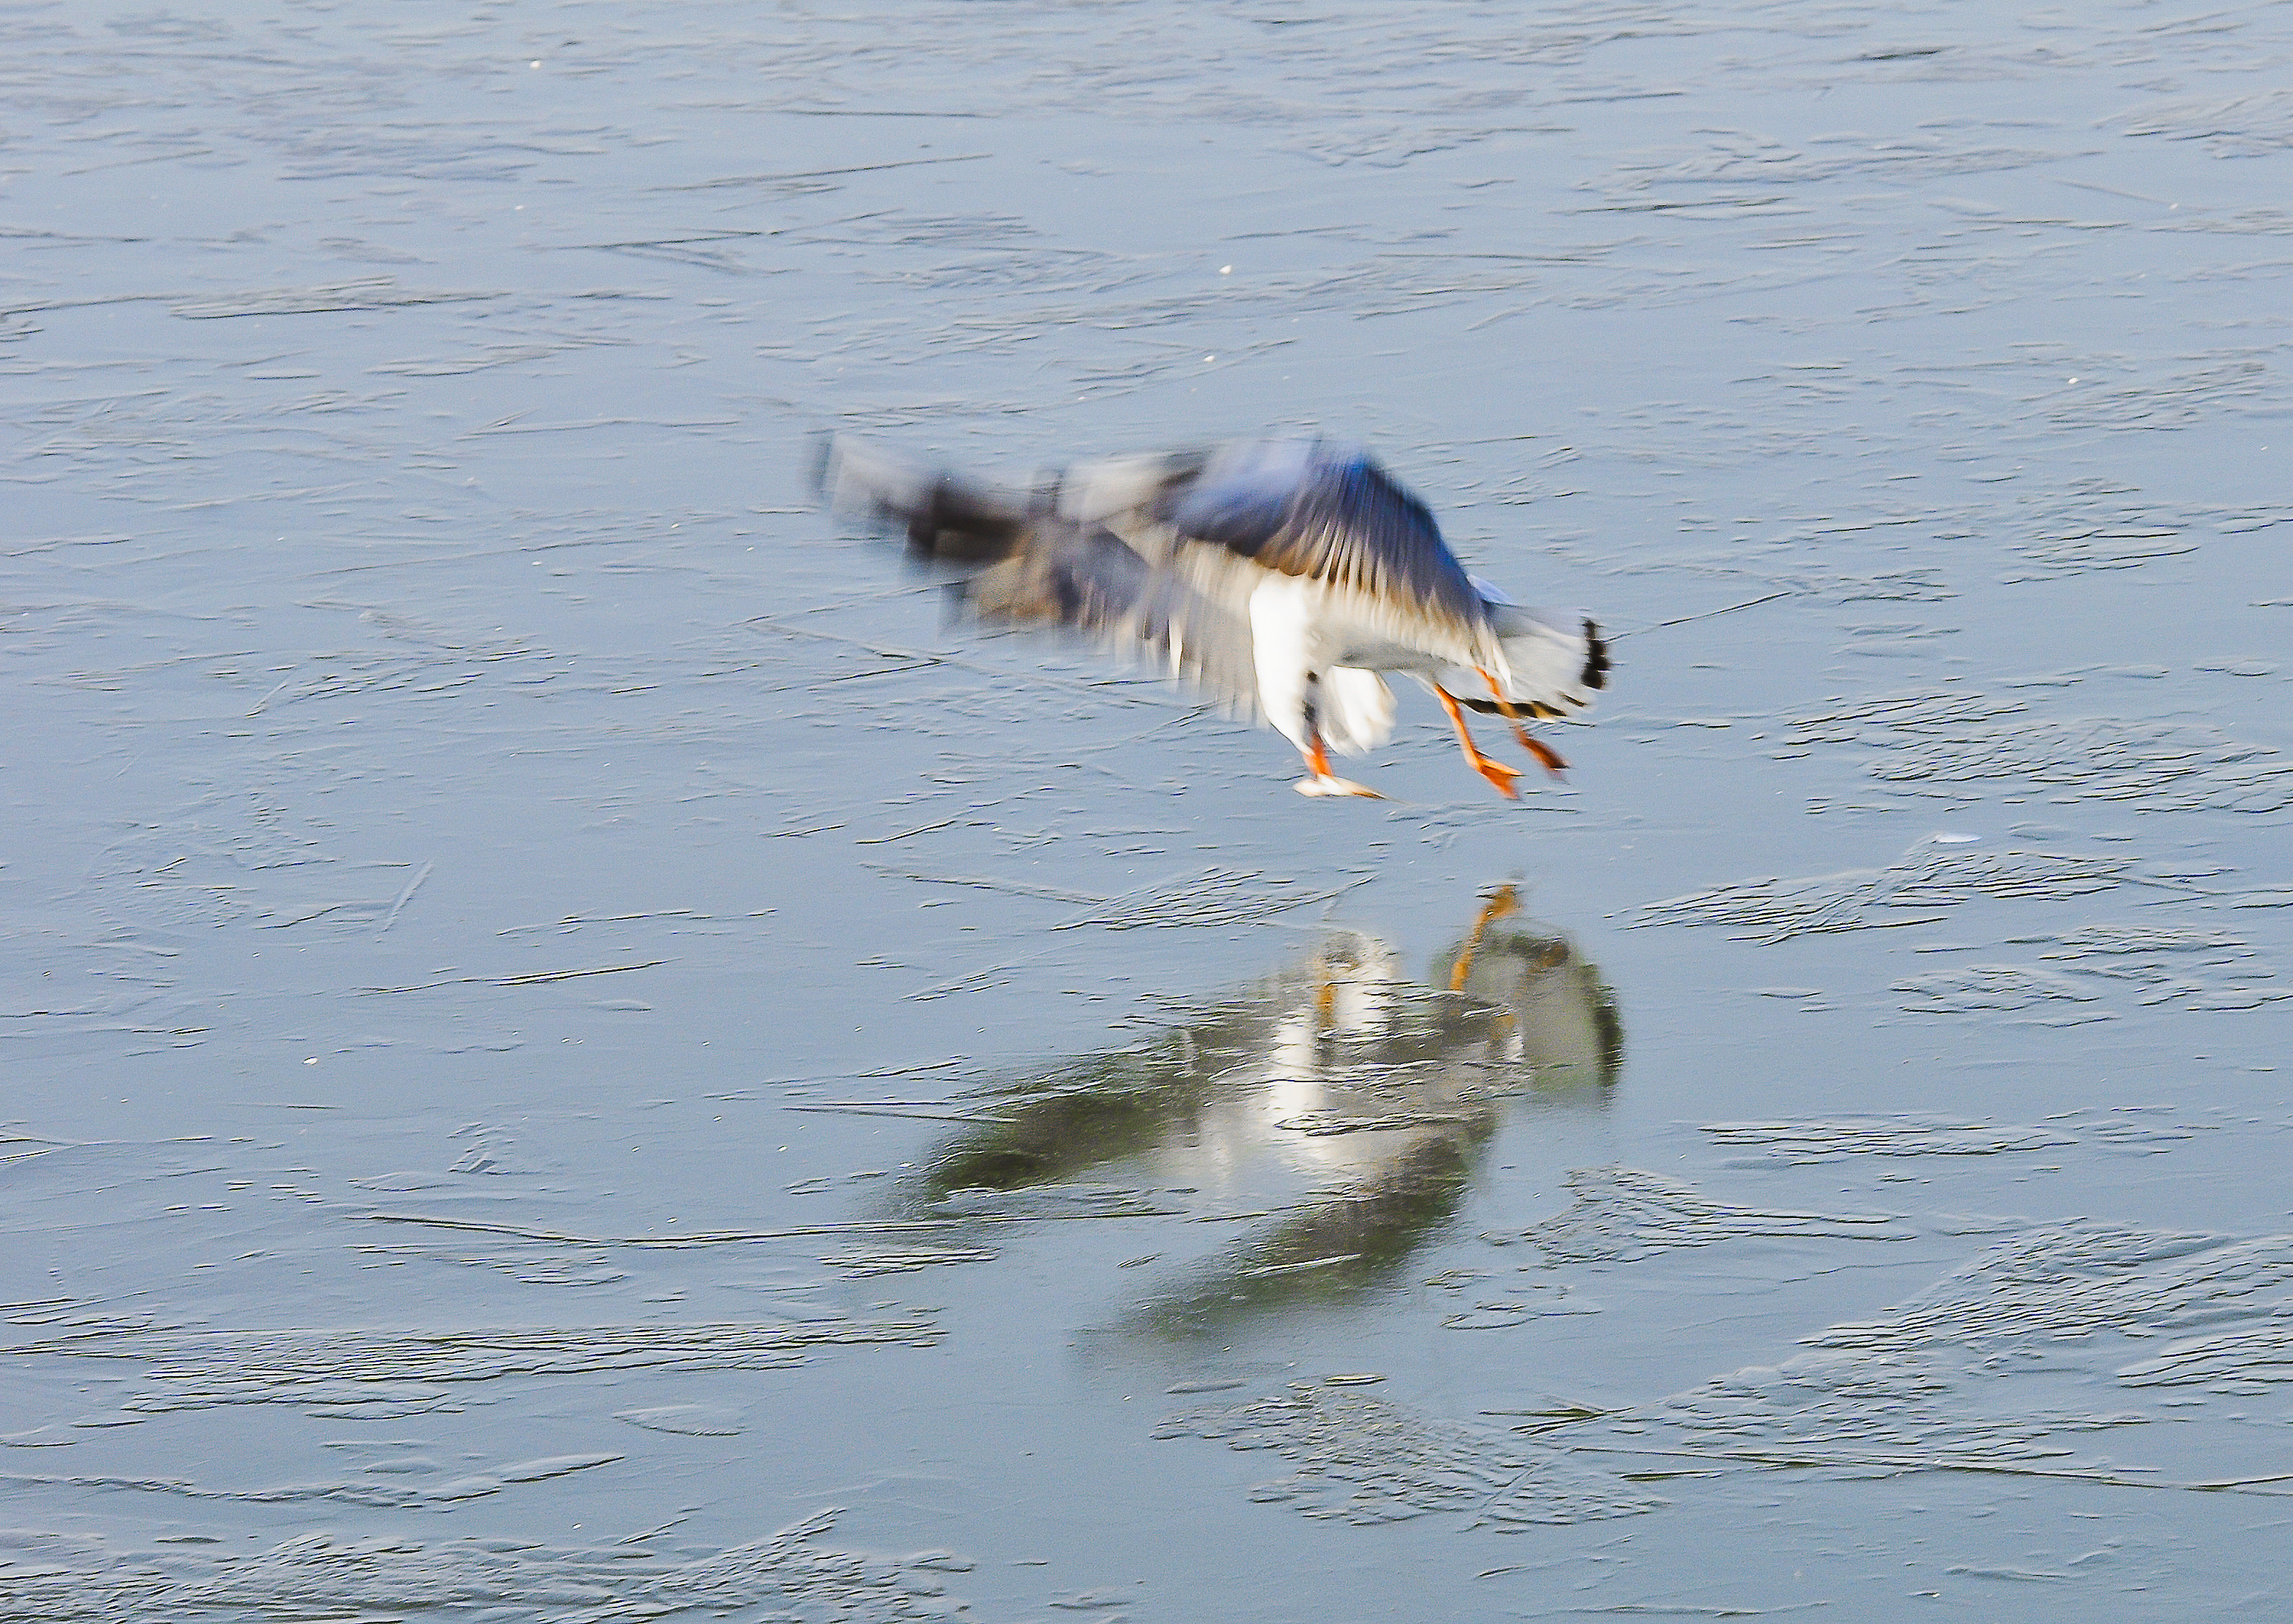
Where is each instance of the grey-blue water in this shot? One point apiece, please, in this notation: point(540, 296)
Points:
point(572, 1052)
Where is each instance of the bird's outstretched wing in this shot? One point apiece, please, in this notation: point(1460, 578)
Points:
point(1085, 577)
point(1332, 514)
point(1038, 560)
point(945, 515)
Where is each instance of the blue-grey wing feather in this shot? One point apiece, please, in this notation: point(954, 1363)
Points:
point(1329, 513)
point(1046, 560)
point(1084, 577)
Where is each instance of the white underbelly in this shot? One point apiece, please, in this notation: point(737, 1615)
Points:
point(1308, 690)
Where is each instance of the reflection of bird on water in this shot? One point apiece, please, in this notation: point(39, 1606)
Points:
point(1281, 575)
point(1368, 1097)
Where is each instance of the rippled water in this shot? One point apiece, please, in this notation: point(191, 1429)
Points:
point(573, 1052)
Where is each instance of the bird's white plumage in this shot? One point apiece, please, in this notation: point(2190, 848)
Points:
point(1302, 692)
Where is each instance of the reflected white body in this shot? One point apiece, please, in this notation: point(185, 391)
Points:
point(1341, 1019)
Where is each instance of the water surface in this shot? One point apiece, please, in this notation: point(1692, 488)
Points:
point(574, 1050)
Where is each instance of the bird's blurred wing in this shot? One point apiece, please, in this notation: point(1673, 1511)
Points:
point(947, 518)
point(1301, 509)
point(1192, 623)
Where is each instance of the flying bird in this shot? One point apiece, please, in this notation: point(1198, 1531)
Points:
point(1286, 577)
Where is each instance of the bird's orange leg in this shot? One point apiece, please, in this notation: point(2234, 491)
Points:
point(1324, 781)
point(1548, 757)
point(1499, 775)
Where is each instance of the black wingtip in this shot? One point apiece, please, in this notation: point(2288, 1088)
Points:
point(1596, 658)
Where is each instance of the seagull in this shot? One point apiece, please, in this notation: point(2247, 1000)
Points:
point(1286, 577)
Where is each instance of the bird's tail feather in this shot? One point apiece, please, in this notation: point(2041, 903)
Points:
point(1555, 663)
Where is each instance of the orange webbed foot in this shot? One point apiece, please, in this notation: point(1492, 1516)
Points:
point(1547, 758)
point(1501, 777)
